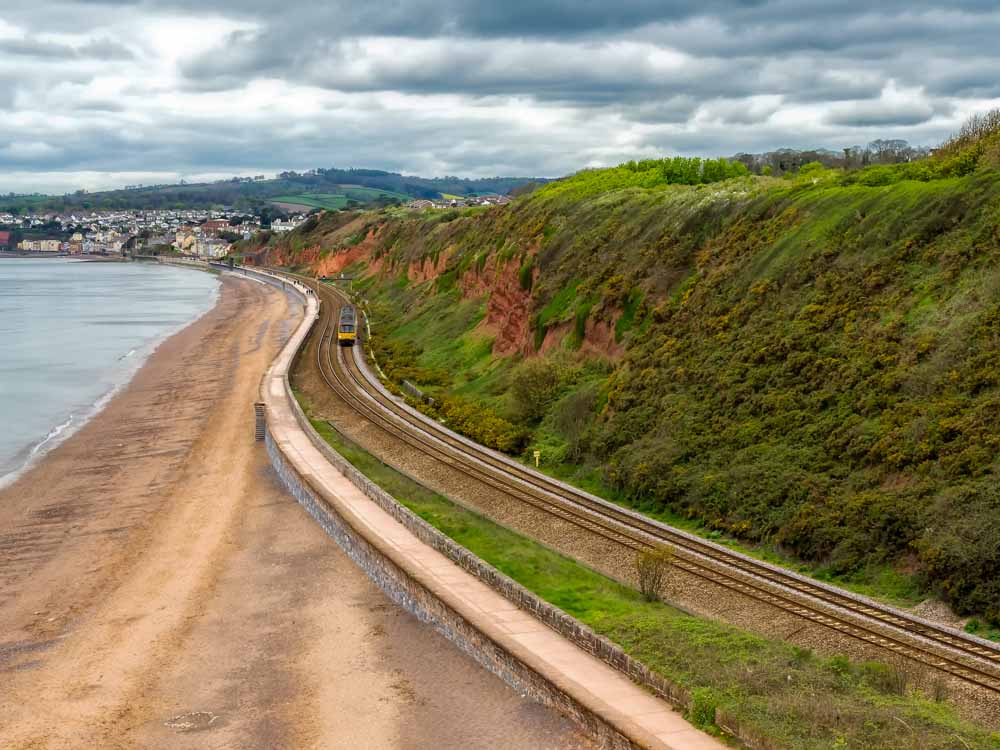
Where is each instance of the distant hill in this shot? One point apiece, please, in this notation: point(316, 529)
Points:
point(364, 186)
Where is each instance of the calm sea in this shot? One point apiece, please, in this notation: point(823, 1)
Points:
point(73, 333)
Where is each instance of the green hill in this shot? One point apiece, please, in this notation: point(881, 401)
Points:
point(365, 186)
point(811, 364)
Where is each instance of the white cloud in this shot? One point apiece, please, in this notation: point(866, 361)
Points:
point(95, 96)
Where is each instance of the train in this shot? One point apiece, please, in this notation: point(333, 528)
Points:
point(347, 331)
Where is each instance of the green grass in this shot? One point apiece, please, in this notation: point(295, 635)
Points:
point(337, 201)
point(329, 201)
point(368, 195)
point(978, 627)
point(791, 696)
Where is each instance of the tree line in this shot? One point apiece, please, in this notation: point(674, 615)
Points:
point(878, 152)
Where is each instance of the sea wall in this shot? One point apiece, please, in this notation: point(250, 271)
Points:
point(398, 580)
point(428, 607)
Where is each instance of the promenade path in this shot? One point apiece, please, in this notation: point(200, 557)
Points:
point(644, 719)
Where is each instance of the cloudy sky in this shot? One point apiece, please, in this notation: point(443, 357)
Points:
point(96, 94)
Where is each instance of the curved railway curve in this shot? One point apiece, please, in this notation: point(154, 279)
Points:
point(968, 658)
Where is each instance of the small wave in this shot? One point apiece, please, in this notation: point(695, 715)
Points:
point(54, 433)
point(126, 356)
point(29, 455)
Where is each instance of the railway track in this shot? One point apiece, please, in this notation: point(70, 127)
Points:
point(970, 659)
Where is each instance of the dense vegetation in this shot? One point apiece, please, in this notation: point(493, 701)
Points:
point(807, 363)
point(244, 193)
point(650, 173)
point(785, 695)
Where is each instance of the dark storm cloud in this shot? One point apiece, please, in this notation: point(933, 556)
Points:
point(729, 48)
point(541, 86)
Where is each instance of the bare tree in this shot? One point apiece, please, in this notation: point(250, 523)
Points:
point(652, 566)
point(973, 130)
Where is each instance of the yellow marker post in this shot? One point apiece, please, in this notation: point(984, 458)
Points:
point(538, 455)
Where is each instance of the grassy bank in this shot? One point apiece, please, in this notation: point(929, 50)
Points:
point(790, 695)
point(803, 366)
point(442, 348)
point(806, 365)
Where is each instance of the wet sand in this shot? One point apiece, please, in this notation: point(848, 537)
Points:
point(158, 588)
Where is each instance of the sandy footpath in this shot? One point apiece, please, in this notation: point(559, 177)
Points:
point(158, 588)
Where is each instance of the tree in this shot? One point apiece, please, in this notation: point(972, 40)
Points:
point(533, 386)
point(572, 418)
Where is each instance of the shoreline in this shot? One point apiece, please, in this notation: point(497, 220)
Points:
point(35, 453)
point(160, 588)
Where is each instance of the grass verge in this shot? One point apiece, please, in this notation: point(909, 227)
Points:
point(793, 697)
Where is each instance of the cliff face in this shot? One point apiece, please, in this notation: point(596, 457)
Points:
point(808, 364)
point(327, 251)
point(508, 307)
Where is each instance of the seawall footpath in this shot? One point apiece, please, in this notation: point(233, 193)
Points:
point(504, 638)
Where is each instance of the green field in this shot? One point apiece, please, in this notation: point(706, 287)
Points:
point(337, 201)
point(331, 201)
point(367, 195)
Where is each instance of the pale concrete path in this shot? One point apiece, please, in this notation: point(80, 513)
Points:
point(638, 715)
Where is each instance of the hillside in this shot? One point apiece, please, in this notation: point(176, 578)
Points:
point(364, 186)
point(806, 364)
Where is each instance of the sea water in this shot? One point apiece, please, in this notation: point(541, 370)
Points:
point(72, 333)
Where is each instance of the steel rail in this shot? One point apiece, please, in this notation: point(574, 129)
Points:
point(625, 528)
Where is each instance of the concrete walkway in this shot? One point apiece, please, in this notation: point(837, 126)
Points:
point(647, 721)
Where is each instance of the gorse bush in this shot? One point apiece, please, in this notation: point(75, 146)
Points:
point(810, 364)
point(478, 423)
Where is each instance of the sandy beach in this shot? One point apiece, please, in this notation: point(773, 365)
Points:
point(159, 588)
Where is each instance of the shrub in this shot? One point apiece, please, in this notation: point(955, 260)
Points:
point(572, 417)
point(479, 423)
point(652, 567)
point(961, 551)
point(704, 701)
point(526, 274)
point(534, 385)
point(884, 678)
